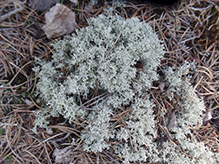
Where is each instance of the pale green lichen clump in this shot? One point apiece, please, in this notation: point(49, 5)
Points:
point(102, 60)
point(186, 149)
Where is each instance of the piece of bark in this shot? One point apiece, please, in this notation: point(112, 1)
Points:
point(60, 20)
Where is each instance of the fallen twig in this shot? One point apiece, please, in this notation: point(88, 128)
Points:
point(3, 17)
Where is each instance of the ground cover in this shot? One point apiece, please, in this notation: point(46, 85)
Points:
point(189, 31)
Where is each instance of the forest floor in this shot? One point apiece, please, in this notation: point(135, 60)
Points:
point(190, 31)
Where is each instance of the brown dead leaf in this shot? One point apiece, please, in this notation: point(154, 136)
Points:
point(172, 120)
point(62, 155)
point(60, 20)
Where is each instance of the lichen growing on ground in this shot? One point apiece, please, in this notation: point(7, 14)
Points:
point(103, 75)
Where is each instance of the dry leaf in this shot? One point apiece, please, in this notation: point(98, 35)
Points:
point(172, 120)
point(162, 85)
point(49, 131)
point(29, 103)
point(62, 155)
point(60, 20)
point(208, 116)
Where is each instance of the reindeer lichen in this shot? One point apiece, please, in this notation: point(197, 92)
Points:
point(104, 73)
